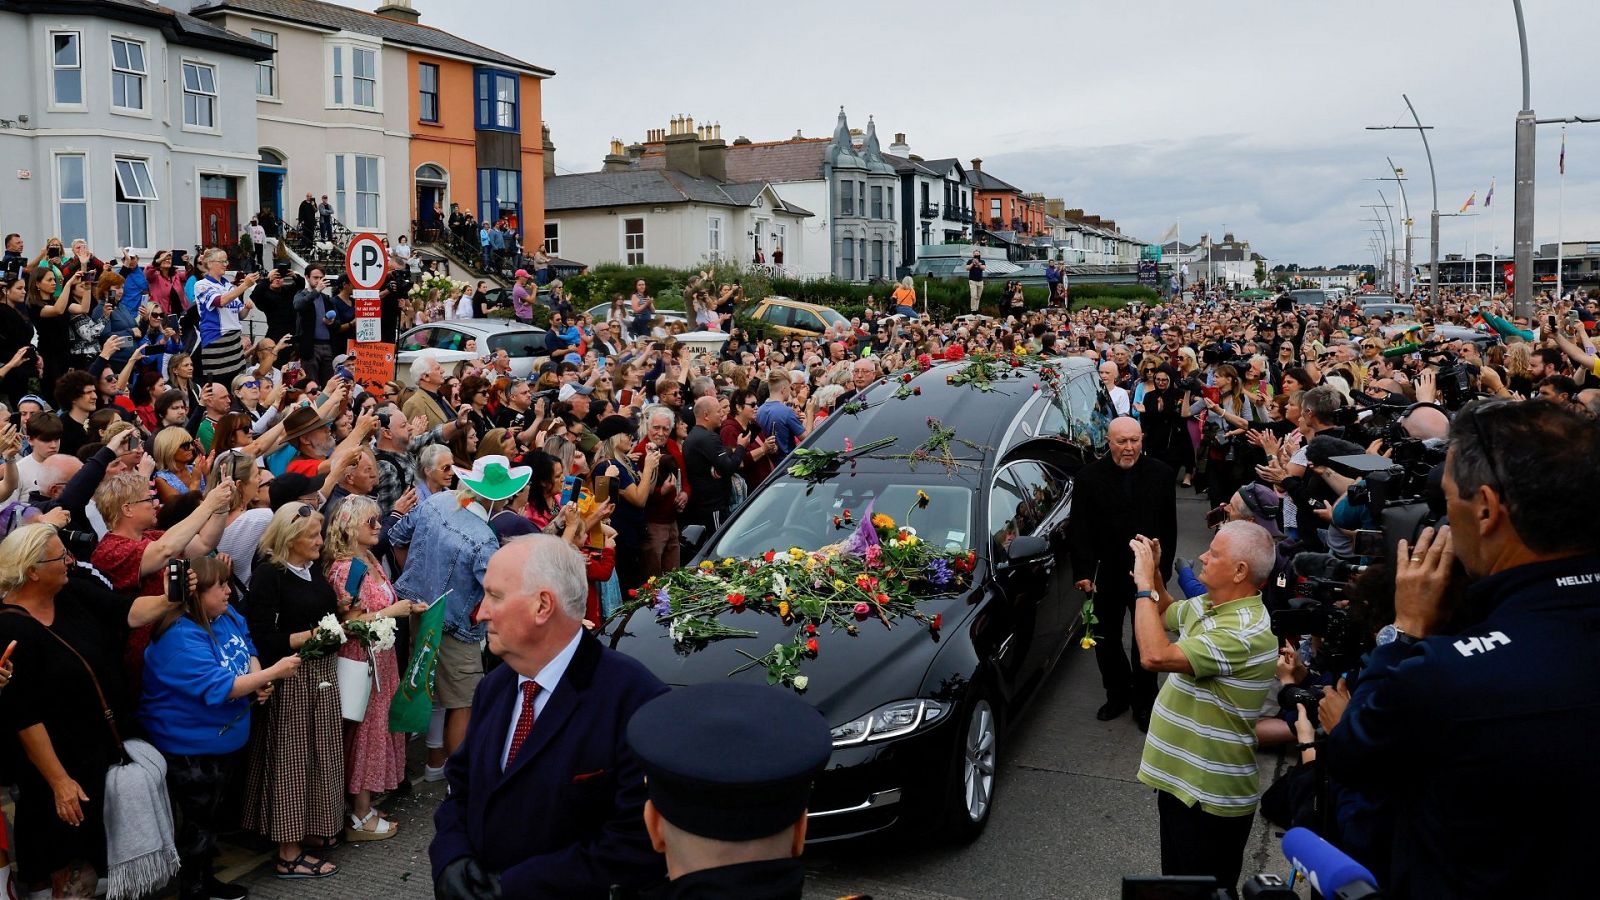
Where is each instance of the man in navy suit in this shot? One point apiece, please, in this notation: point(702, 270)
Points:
point(545, 797)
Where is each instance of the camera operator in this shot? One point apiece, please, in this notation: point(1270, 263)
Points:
point(1483, 740)
point(1320, 409)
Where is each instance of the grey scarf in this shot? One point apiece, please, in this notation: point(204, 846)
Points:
point(140, 853)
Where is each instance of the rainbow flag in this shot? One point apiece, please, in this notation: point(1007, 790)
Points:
point(1470, 201)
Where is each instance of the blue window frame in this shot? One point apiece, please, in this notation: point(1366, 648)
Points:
point(500, 194)
point(498, 106)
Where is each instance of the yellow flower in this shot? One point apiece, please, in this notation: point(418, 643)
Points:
point(810, 564)
point(909, 540)
point(838, 585)
point(882, 520)
point(707, 566)
point(922, 498)
point(796, 553)
point(1087, 643)
point(783, 609)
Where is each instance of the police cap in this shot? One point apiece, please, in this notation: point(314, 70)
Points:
point(730, 762)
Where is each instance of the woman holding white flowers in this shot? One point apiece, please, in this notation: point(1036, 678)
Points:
point(294, 790)
point(374, 757)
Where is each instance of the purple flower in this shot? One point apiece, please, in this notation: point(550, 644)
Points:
point(663, 605)
point(939, 573)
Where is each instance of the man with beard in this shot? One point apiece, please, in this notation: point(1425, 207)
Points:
point(1130, 494)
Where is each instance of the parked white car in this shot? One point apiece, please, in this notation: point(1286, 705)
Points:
point(461, 340)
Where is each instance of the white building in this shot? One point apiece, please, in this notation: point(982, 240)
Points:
point(1330, 278)
point(935, 200)
point(125, 124)
point(1229, 261)
point(683, 215)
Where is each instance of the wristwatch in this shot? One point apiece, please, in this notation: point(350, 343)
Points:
point(1144, 595)
point(1405, 640)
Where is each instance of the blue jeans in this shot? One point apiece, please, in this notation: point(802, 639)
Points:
point(487, 256)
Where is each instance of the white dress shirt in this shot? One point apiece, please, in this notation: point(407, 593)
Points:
point(547, 679)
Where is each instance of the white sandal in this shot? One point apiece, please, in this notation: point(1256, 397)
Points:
point(357, 830)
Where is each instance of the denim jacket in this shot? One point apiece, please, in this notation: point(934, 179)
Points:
point(449, 549)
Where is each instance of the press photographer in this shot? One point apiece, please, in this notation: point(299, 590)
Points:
point(1482, 741)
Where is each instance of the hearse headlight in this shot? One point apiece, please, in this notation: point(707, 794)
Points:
point(891, 720)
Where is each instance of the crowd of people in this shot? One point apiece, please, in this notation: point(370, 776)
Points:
point(194, 522)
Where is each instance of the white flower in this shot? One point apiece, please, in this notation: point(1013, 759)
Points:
point(324, 685)
point(673, 632)
point(328, 626)
point(383, 634)
point(780, 587)
point(800, 682)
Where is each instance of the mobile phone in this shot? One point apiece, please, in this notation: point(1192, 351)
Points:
point(602, 488)
point(177, 580)
point(600, 362)
point(6, 656)
point(343, 372)
point(568, 492)
point(53, 252)
point(625, 396)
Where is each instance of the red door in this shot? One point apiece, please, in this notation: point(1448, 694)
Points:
point(219, 222)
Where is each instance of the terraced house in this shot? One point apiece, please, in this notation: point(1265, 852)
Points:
point(392, 119)
point(115, 125)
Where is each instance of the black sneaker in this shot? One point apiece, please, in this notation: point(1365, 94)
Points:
point(1111, 710)
point(222, 890)
point(1141, 718)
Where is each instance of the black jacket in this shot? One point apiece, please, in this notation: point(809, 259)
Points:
point(1484, 741)
point(710, 468)
point(1109, 507)
point(767, 879)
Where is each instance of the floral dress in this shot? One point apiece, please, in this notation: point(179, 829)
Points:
point(374, 757)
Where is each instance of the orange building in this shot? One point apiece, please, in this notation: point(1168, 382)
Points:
point(1000, 206)
point(477, 140)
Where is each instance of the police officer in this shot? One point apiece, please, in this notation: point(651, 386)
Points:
point(729, 770)
point(1483, 741)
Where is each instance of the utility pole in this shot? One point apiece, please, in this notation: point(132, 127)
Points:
point(1522, 199)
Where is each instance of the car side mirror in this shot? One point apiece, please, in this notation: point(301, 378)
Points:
point(1027, 548)
point(693, 535)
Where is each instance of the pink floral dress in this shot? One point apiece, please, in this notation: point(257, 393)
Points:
point(374, 758)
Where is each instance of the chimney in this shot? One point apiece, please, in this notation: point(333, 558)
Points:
point(977, 165)
point(549, 151)
point(635, 151)
point(617, 160)
point(1055, 207)
point(900, 147)
point(683, 147)
point(399, 11)
point(713, 156)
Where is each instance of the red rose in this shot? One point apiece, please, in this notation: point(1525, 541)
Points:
point(768, 556)
point(811, 645)
point(863, 610)
point(906, 378)
point(1036, 385)
point(917, 391)
point(736, 600)
point(938, 620)
point(924, 361)
point(811, 628)
point(633, 592)
point(882, 599)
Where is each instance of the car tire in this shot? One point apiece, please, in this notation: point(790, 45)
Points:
point(972, 775)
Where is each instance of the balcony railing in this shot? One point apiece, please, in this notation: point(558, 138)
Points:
point(930, 210)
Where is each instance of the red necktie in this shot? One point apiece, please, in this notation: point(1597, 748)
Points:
point(530, 689)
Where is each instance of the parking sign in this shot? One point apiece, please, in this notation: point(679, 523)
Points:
point(365, 262)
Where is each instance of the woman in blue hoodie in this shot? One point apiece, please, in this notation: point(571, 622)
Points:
point(201, 673)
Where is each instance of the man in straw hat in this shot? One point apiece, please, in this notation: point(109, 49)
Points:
point(448, 543)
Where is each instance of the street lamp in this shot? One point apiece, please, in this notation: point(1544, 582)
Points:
point(1522, 199)
point(1433, 237)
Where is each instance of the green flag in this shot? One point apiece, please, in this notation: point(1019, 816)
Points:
point(413, 698)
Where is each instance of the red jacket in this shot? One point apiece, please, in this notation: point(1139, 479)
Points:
point(600, 565)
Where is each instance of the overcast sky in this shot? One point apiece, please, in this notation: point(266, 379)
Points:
point(1248, 114)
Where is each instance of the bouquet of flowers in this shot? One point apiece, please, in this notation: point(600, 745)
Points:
point(880, 574)
point(326, 637)
point(376, 635)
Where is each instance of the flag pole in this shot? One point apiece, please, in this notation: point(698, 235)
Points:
point(1561, 192)
point(1474, 254)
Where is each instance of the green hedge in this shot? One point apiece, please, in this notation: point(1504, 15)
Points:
point(946, 298)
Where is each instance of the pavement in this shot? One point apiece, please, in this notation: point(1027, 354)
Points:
point(1070, 818)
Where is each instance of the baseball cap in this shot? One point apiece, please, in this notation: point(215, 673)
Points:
point(522, 273)
point(568, 391)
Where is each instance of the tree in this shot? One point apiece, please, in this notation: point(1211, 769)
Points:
point(1261, 272)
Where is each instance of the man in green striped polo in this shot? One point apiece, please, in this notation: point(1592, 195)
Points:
point(1200, 752)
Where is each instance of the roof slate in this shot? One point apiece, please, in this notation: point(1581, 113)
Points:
point(179, 27)
point(332, 15)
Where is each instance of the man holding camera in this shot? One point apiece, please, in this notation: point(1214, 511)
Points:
point(1484, 739)
point(975, 267)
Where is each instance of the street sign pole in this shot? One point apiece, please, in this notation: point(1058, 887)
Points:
point(366, 264)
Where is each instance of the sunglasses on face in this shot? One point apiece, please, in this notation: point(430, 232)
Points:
point(250, 385)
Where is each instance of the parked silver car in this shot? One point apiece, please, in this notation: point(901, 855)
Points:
point(449, 342)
